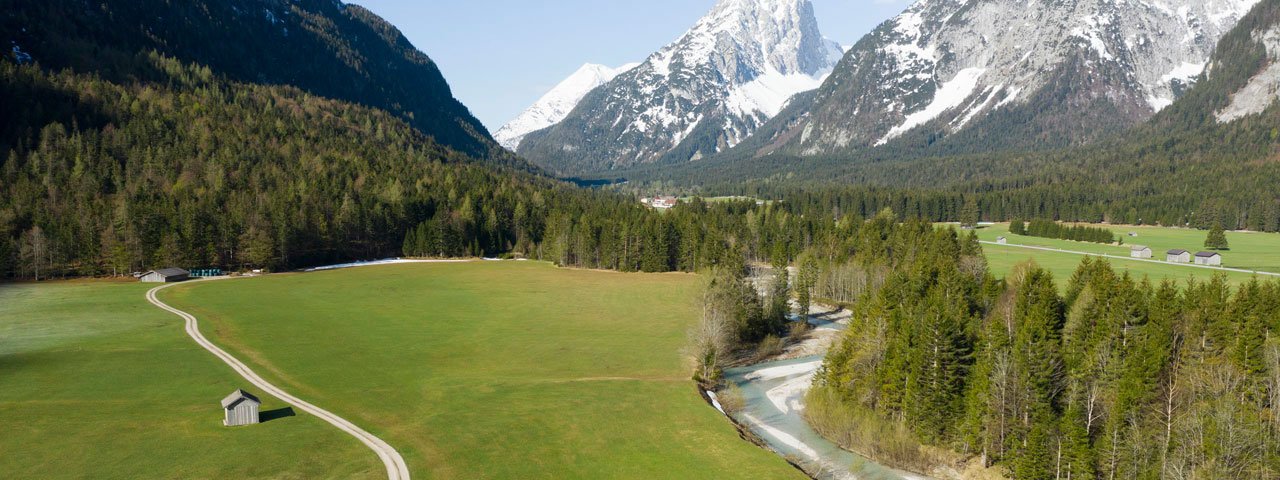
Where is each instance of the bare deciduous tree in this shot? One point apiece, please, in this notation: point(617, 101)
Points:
point(35, 252)
point(712, 337)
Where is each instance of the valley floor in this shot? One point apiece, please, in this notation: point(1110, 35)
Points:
point(1250, 252)
point(490, 369)
point(470, 370)
point(97, 383)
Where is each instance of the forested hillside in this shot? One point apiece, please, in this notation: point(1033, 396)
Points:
point(198, 171)
point(324, 47)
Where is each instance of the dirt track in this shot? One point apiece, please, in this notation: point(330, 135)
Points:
point(396, 468)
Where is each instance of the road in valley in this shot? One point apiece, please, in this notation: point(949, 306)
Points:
point(1121, 257)
point(396, 468)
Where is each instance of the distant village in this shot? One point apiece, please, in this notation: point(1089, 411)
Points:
point(664, 202)
point(660, 202)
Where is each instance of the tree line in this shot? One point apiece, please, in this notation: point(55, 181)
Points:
point(108, 178)
point(1051, 229)
point(102, 178)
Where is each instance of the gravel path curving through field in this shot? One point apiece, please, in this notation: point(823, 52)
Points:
point(396, 469)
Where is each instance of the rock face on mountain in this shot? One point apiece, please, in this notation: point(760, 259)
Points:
point(325, 47)
point(1258, 57)
point(704, 93)
point(556, 104)
point(980, 74)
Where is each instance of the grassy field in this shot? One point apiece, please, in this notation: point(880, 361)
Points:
point(490, 369)
point(1252, 251)
point(97, 383)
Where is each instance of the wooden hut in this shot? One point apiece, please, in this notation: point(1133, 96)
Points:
point(240, 408)
point(1209, 258)
point(1140, 251)
point(1178, 256)
point(165, 275)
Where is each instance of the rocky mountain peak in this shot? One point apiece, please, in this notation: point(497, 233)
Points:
point(946, 66)
point(703, 93)
point(557, 103)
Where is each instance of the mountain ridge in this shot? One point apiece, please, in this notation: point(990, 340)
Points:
point(556, 104)
point(699, 95)
point(1036, 72)
point(325, 47)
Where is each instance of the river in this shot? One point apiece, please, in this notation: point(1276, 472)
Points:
point(774, 401)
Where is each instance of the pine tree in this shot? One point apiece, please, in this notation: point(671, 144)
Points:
point(969, 215)
point(1034, 457)
point(1075, 456)
point(806, 279)
point(1217, 239)
point(943, 358)
point(1017, 227)
point(779, 297)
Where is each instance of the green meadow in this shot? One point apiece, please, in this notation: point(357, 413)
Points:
point(97, 383)
point(490, 369)
point(1249, 251)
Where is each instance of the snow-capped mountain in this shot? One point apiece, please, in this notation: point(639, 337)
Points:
point(705, 92)
point(557, 103)
point(1018, 73)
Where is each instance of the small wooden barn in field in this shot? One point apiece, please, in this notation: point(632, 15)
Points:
point(1178, 256)
point(1002, 240)
point(1209, 258)
point(166, 275)
point(1140, 251)
point(240, 408)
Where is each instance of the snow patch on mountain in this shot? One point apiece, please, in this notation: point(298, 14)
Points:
point(950, 96)
point(768, 93)
point(557, 103)
point(18, 55)
point(1184, 74)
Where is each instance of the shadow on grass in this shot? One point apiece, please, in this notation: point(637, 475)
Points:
point(276, 414)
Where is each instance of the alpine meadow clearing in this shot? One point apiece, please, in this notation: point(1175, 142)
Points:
point(490, 369)
point(97, 383)
point(1249, 251)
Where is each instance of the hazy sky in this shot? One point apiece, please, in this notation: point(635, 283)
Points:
point(501, 55)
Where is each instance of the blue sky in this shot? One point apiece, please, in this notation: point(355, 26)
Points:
point(501, 55)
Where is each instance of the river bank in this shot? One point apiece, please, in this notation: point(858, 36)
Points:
point(773, 395)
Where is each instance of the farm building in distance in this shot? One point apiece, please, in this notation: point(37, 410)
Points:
point(1178, 256)
point(1209, 258)
point(240, 408)
point(660, 202)
point(1002, 240)
point(1140, 251)
point(165, 275)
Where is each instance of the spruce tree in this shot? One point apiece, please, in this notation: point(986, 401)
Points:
point(1018, 227)
point(969, 215)
point(779, 296)
point(1217, 239)
point(806, 279)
